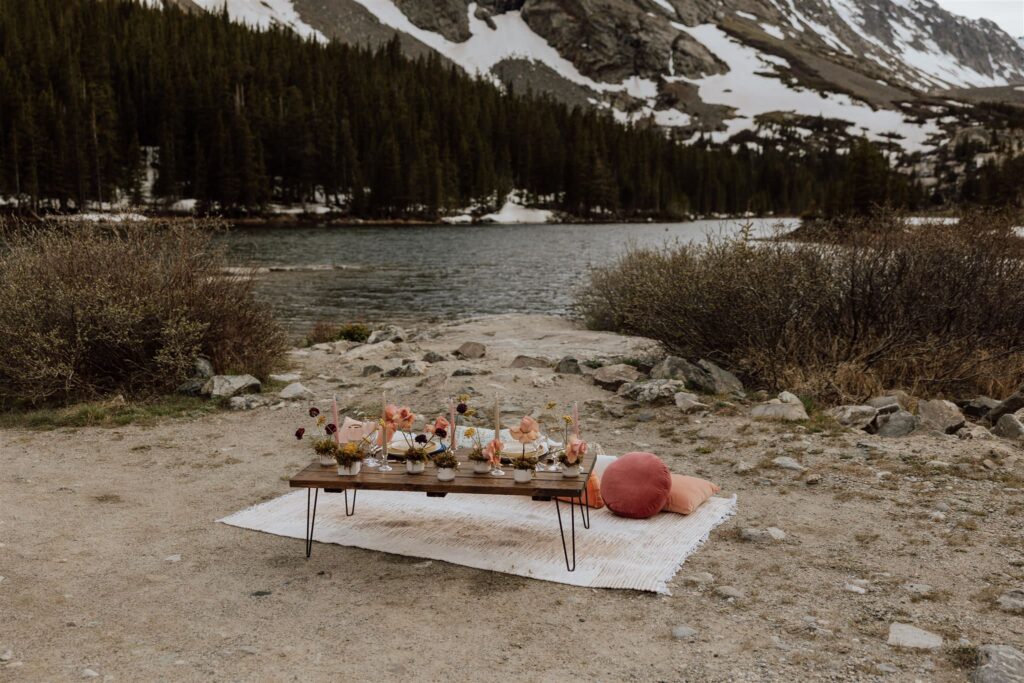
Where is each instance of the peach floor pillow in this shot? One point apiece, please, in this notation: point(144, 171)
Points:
point(688, 493)
point(593, 499)
point(636, 485)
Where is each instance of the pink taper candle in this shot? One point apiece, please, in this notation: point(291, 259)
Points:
point(451, 421)
point(497, 419)
point(576, 419)
point(337, 425)
point(383, 426)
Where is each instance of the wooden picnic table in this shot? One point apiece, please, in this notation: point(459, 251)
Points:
point(545, 486)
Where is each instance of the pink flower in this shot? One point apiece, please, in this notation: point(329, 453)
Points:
point(493, 451)
point(441, 423)
point(527, 431)
point(404, 418)
point(575, 449)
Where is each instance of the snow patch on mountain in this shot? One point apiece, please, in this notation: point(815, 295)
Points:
point(262, 14)
point(746, 88)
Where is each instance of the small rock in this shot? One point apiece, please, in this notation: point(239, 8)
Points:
point(788, 463)
point(286, 377)
point(719, 381)
point(247, 402)
point(900, 423)
point(978, 407)
point(388, 333)
point(938, 464)
point(937, 516)
point(999, 664)
point(202, 368)
point(6, 655)
point(730, 593)
point(568, 366)
point(1012, 601)
point(471, 351)
point(851, 588)
point(812, 479)
point(523, 362)
point(886, 668)
point(776, 533)
point(942, 416)
point(467, 372)
point(176, 558)
point(1011, 405)
point(1009, 427)
point(917, 588)
point(699, 579)
point(89, 673)
point(786, 412)
point(249, 649)
point(688, 403)
point(976, 432)
point(371, 351)
point(683, 632)
point(433, 357)
point(612, 377)
point(295, 392)
point(414, 369)
point(742, 467)
point(911, 637)
point(854, 416)
point(789, 397)
point(885, 405)
point(226, 386)
point(755, 535)
point(372, 370)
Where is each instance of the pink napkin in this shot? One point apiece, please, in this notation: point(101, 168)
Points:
point(354, 430)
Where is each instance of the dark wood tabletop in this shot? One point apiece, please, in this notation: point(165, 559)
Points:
point(544, 484)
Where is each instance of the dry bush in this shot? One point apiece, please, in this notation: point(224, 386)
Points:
point(87, 311)
point(936, 309)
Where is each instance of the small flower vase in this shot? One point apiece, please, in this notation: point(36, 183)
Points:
point(350, 470)
point(415, 467)
point(481, 467)
point(571, 470)
point(445, 473)
point(522, 476)
point(327, 460)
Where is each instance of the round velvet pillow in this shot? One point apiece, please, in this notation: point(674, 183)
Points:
point(636, 485)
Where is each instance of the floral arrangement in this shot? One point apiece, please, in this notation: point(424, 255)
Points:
point(476, 453)
point(348, 453)
point(526, 432)
point(446, 459)
point(324, 445)
point(575, 447)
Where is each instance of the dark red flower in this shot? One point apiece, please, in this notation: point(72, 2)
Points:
point(299, 432)
point(314, 411)
point(331, 428)
point(441, 433)
point(461, 408)
point(421, 438)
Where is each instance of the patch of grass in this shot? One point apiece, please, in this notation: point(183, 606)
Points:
point(964, 657)
point(324, 331)
point(113, 413)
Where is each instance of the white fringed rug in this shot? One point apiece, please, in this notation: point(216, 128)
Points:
point(509, 534)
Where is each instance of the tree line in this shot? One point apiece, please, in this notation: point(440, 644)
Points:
point(239, 118)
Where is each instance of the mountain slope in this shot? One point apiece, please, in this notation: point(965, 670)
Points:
point(713, 67)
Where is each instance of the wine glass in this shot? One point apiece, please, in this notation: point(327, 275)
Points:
point(384, 466)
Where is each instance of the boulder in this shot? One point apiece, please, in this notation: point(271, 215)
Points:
point(978, 407)
point(202, 367)
point(1011, 405)
point(192, 387)
point(788, 463)
point(688, 403)
point(226, 386)
point(470, 351)
point(789, 397)
point(530, 362)
point(391, 333)
point(1009, 427)
point(719, 381)
point(296, 391)
point(856, 416)
point(913, 638)
point(900, 423)
point(371, 370)
point(674, 367)
point(884, 404)
point(569, 366)
point(433, 357)
point(612, 377)
point(999, 664)
point(651, 390)
point(468, 372)
point(374, 351)
point(942, 416)
point(785, 412)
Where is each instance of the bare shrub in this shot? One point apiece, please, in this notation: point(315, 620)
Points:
point(88, 311)
point(936, 309)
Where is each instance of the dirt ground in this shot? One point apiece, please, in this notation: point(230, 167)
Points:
point(113, 565)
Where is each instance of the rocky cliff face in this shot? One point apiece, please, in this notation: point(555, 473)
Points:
point(711, 67)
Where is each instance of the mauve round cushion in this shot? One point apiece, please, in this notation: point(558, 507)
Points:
point(636, 485)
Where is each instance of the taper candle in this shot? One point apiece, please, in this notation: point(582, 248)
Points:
point(334, 412)
point(576, 419)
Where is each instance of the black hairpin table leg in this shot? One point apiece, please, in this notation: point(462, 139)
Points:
point(585, 508)
point(350, 512)
point(311, 497)
point(561, 529)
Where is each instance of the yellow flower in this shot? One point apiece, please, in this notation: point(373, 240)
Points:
point(471, 412)
point(464, 398)
point(350, 448)
point(550, 405)
point(470, 431)
point(567, 419)
point(321, 420)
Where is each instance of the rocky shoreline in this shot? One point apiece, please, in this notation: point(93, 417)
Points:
point(854, 556)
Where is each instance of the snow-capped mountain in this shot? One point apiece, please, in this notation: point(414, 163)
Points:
point(713, 67)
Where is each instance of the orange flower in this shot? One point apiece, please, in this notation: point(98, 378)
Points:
point(404, 418)
point(575, 449)
point(493, 451)
point(527, 431)
point(441, 423)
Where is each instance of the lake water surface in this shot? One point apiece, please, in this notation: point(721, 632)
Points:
point(377, 273)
